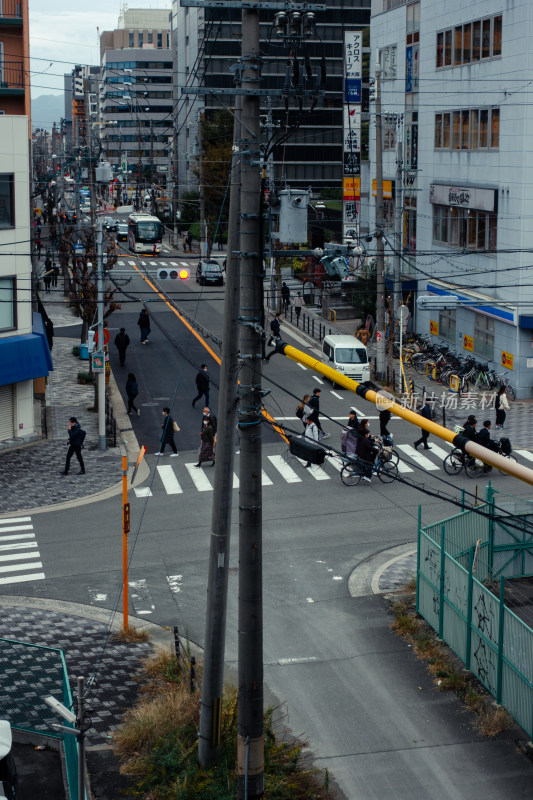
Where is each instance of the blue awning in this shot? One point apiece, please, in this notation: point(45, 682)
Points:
point(26, 356)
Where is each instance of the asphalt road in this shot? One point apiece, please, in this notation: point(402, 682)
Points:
point(369, 710)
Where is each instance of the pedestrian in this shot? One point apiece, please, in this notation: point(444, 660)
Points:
point(303, 409)
point(311, 432)
point(384, 419)
point(207, 447)
point(275, 328)
point(500, 404)
point(314, 402)
point(132, 390)
point(184, 242)
point(219, 241)
point(189, 242)
point(122, 341)
point(349, 434)
point(39, 247)
point(47, 282)
point(55, 274)
point(298, 304)
point(363, 335)
point(309, 290)
point(169, 428)
point(202, 384)
point(144, 324)
point(425, 412)
point(285, 296)
point(207, 416)
point(49, 330)
point(469, 428)
point(76, 437)
point(44, 217)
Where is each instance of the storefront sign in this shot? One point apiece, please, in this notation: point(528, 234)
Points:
point(433, 328)
point(351, 189)
point(468, 343)
point(463, 197)
point(507, 360)
point(352, 129)
point(388, 189)
point(352, 163)
point(352, 53)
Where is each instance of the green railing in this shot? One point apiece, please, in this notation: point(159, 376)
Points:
point(454, 557)
point(28, 674)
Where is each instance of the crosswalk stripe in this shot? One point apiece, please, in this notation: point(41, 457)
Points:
point(17, 536)
point(169, 480)
point(525, 454)
point(439, 451)
point(18, 556)
point(16, 528)
point(265, 480)
point(336, 395)
point(199, 478)
point(403, 467)
point(17, 567)
point(10, 520)
point(143, 491)
point(35, 576)
point(318, 473)
point(284, 470)
point(18, 546)
point(334, 462)
point(421, 460)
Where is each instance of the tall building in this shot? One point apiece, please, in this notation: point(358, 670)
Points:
point(136, 94)
point(207, 43)
point(24, 354)
point(455, 72)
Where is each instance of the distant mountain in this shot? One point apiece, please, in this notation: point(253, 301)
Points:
point(46, 109)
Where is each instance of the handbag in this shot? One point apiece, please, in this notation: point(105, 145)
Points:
point(175, 426)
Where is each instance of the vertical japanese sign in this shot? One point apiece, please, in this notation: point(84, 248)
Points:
point(353, 42)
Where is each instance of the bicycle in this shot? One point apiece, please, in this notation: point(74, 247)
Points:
point(457, 461)
point(355, 468)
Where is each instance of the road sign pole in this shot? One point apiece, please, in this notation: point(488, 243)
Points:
point(100, 307)
point(125, 531)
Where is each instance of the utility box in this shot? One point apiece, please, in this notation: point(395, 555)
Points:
point(293, 216)
point(104, 172)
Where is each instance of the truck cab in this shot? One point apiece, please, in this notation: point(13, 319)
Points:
point(347, 355)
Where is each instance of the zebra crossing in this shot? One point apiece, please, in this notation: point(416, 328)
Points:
point(19, 555)
point(184, 477)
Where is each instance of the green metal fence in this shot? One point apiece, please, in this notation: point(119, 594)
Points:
point(28, 674)
point(454, 558)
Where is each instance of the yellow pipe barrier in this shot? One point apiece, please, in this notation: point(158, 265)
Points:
point(332, 311)
point(482, 453)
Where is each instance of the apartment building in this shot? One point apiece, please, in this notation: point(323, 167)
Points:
point(24, 354)
point(454, 87)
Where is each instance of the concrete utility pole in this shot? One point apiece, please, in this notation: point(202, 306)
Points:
point(398, 207)
point(80, 721)
point(100, 308)
point(380, 251)
point(250, 752)
point(203, 241)
point(217, 586)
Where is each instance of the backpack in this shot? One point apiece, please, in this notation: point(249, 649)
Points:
point(300, 411)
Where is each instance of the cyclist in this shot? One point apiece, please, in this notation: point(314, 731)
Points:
point(484, 438)
point(366, 452)
point(469, 428)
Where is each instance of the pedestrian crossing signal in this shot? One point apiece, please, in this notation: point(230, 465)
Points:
point(173, 274)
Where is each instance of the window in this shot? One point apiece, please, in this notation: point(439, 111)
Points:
point(150, 37)
point(8, 306)
point(130, 43)
point(160, 39)
point(447, 324)
point(465, 228)
point(480, 39)
point(140, 38)
point(470, 129)
point(7, 202)
point(484, 336)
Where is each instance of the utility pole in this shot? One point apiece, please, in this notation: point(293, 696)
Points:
point(250, 751)
point(398, 206)
point(80, 721)
point(380, 250)
point(203, 224)
point(270, 177)
point(217, 586)
point(100, 310)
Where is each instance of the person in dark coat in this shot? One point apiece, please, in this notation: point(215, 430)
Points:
point(76, 437)
point(314, 402)
point(207, 452)
point(275, 328)
point(122, 341)
point(366, 451)
point(469, 428)
point(168, 434)
point(144, 324)
point(425, 412)
point(500, 404)
point(132, 390)
point(49, 330)
point(384, 419)
point(484, 438)
point(207, 415)
point(47, 281)
point(55, 274)
point(285, 296)
point(202, 385)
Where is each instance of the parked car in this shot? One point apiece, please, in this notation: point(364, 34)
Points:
point(122, 231)
point(209, 272)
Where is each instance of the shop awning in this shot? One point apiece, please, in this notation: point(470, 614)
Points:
point(26, 356)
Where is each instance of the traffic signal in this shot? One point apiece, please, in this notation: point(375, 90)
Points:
point(172, 274)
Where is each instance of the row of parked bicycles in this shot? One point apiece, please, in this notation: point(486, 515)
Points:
point(441, 364)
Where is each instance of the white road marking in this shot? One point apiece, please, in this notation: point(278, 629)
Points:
point(335, 463)
point(235, 481)
point(421, 460)
point(169, 480)
point(18, 556)
point(199, 478)
point(336, 395)
point(10, 520)
point(143, 491)
point(21, 546)
point(35, 576)
point(16, 528)
point(284, 661)
point(403, 467)
point(439, 451)
point(17, 567)
point(17, 536)
point(318, 473)
point(302, 366)
point(174, 583)
point(265, 480)
point(318, 380)
point(284, 470)
point(526, 454)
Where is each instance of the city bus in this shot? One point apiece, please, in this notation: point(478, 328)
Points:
point(145, 234)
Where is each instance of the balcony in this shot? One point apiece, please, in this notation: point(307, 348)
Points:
point(11, 77)
point(10, 12)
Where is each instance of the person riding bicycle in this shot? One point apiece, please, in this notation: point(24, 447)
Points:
point(469, 429)
point(484, 438)
point(366, 452)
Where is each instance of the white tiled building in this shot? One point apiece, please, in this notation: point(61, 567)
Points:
point(459, 74)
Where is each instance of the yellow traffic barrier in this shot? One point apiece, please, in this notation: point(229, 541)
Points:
point(384, 400)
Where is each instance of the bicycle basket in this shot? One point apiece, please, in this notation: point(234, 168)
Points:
point(458, 429)
point(386, 453)
point(505, 445)
point(387, 441)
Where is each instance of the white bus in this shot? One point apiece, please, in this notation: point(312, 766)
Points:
point(145, 234)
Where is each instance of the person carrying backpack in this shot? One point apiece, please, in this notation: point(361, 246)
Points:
point(76, 437)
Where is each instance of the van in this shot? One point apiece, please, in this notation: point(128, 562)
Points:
point(347, 355)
